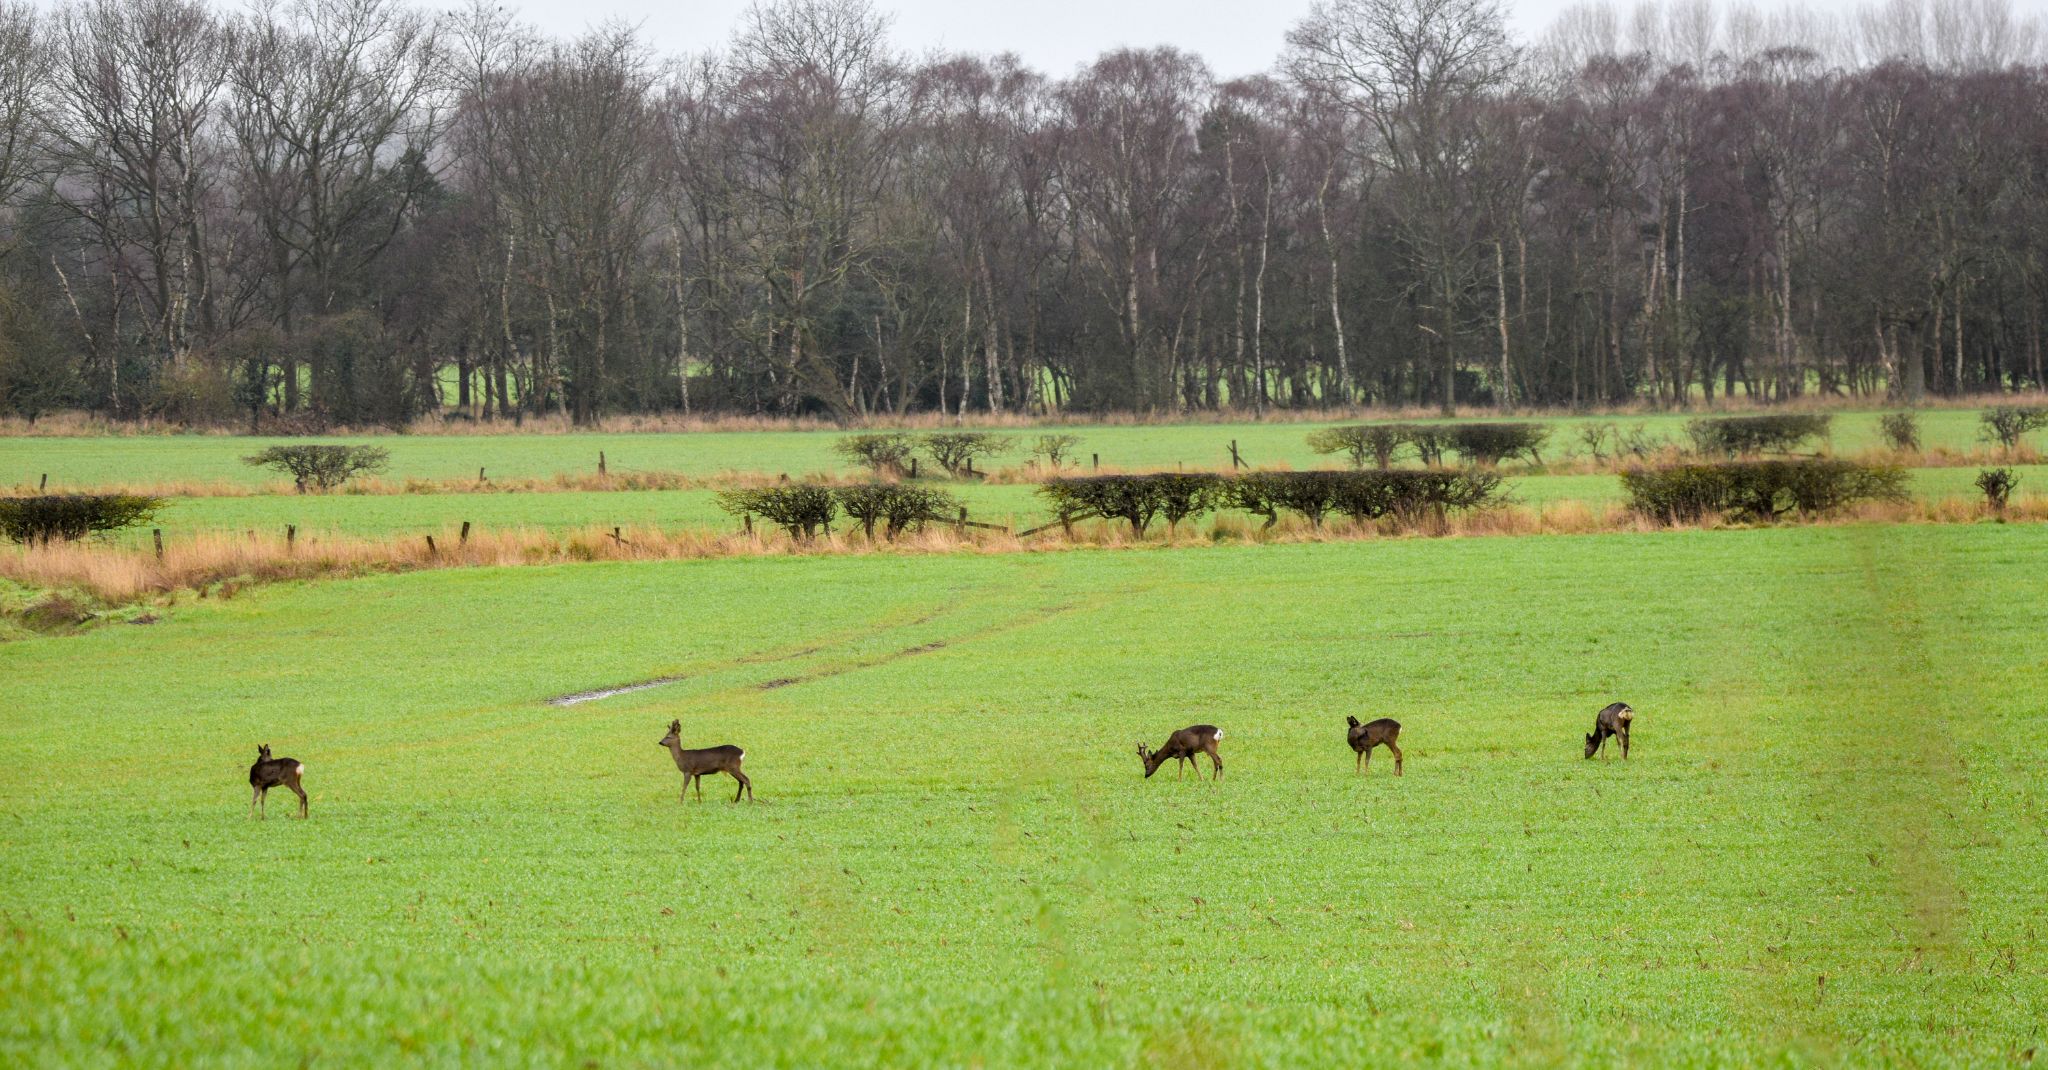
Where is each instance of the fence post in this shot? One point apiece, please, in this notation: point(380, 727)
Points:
point(291, 536)
point(749, 520)
point(1094, 462)
point(600, 462)
point(913, 468)
point(431, 551)
point(465, 533)
point(44, 484)
point(480, 475)
point(963, 520)
point(158, 535)
point(1236, 462)
point(970, 466)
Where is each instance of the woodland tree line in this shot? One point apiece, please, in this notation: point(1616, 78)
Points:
point(356, 211)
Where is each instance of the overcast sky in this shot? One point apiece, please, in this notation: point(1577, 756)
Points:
point(1236, 36)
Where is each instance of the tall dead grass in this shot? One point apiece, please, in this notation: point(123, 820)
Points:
point(220, 564)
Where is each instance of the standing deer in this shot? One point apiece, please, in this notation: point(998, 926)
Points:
point(268, 773)
point(1612, 721)
point(1364, 737)
point(696, 763)
point(1183, 746)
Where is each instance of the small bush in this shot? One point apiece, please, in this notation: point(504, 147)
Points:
point(46, 517)
point(1134, 499)
point(1255, 493)
point(1430, 441)
point(1377, 441)
point(1410, 496)
point(884, 452)
point(321, 467)
point(1997, 485)
point(1737, 436)
point(2007, 424)
point(1183, 496)
point(1757, 490)
point(1492, 443)
point(955, 451)
point(798, 508)
point(897, 507)
point(1901, 430)
point(1053, 449)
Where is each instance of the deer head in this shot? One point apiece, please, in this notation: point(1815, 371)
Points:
point(674, 737)
point(263, 752)
point(1592, 743)
point(1145, 754)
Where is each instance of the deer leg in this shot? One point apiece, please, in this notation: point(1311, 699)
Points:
point(262, 804)
point(699, 778)
point(745, 787)
point(1215, 763)
point(1180, 768)
point(1624, 744)
point(254, 794)
point(1358, 763)
point(301, 792)
point(1397, 757)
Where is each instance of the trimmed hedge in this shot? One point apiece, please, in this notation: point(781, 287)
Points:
point(43, 517)
point(896, 506)
point(1736, 436)
point(798, 508)
point(1493, 443)
point(1758, 490)
point(881, 452)
point(1404, 495)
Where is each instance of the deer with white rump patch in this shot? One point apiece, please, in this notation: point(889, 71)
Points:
point(268, 773)
point(1183, 746)
point(1612, 721)
point(696, 763)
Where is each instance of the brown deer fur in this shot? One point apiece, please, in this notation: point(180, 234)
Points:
point(1612, 721)
point(268, 773)
point(1364, 737)
point(696, 763)
point(1183, 746)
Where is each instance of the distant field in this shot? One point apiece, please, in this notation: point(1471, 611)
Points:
point(1829, 848)
point(79, 462)
point(1018, 505)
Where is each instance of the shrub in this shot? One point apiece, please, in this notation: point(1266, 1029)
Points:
point(881, 452)
point(1901, 430)
point(323, 467)
point(1997, 485)
point(1430, 441)
point(896, 506)
point(1378, 441)
point(1492, 443)
point(1409, 496)
point(955, 451)
point(1254, 492)
point(1053, 449)
point(1759, 490)
point(1134, 499)
point(2007, 424)
point(42, 518)
point(1185, 495)
point(798, 508)
point(1735, 436)
point(1312, 494)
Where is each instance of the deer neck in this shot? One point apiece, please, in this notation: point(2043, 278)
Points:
point(675, 750)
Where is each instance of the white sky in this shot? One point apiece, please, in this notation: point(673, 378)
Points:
point(1236, 37)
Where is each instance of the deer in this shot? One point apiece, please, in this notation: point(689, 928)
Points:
point(695, 764)
point(268, 773)
point(1182, 746)
point(1364, 737)
point(1612, 721)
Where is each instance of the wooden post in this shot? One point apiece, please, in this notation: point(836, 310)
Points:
point(970, 466)
point(431, 551)
point(465, 533)
point(44, 484)
point(158, 535)
point(600, 462)
point(616, 538)
point(913, 468)
point(291, 536)
point(480, 475)
point(1236, 461)
point(749, 520)
point(1094, 461)
point(963, 520)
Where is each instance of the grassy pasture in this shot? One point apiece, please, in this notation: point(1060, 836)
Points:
point(78, 462)
point(1017, 504)
point(1830, 846)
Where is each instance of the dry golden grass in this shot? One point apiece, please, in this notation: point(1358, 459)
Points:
point(223, 563)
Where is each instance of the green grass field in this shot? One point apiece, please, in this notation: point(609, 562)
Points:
point(80, 462)
point(1828, 849)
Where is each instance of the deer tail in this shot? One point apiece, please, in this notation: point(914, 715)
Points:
point(300, 768)
point(1219, 733)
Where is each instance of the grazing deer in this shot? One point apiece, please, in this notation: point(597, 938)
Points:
point(268, 773)
point(696, 763)
point(1364, 737)
point(1183, 746)
point(1612, 721)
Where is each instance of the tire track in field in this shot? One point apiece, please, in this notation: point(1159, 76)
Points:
point(843, 638)
point(1023, 620)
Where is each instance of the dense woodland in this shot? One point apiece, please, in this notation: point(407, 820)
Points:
point(357, 211)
